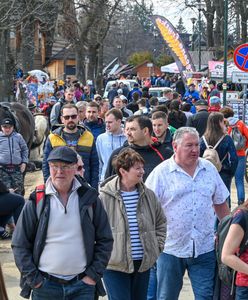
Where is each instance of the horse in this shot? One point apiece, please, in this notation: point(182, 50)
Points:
point(22, 118)
point(40, 135)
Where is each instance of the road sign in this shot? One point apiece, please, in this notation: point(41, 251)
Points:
point(240, 77)
point(240, 57)
point(149, 65)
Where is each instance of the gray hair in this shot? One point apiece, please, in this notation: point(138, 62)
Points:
point(178, 135)
point(81, 104)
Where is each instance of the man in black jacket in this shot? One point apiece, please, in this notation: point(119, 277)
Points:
point(63, 241)
point(138, 130)
point(199, 120)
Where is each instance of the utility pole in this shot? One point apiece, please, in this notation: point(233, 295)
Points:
point(225, 50)
point(199, 4)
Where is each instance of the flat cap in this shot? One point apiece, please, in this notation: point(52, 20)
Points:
point(201, 102)
point(7, 121)
point(64, 154)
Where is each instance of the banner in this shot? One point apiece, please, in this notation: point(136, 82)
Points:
point(174, 43)
point(216, 69)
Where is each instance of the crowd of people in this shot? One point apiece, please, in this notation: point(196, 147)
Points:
point(129, 196)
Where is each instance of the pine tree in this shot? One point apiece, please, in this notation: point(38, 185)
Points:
point(180, 27)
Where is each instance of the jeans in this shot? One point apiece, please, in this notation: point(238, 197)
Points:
point(239, 179)
point(227, 179)
point(152, 286)
point(201, 271)
point(241, 293)
point(125, 286)
point(75, 291)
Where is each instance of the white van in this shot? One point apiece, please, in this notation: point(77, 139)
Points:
point(158, 92)
point(128, 82)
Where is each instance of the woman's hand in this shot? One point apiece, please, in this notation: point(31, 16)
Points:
point(88, 280)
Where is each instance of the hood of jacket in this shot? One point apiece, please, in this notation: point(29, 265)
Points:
point(111, 186)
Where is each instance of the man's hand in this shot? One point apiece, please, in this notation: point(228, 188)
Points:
point(22, 167)
point(88, 280)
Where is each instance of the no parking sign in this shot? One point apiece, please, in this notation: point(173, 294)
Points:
point(240, 57)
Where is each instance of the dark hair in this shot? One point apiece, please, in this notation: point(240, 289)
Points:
point(68, 105)
point(227, 111)
point(93, 104)
point(214, 131)
point(161, 107)
point(159, 115)
point(143, 122)
point(153, 101)
point(115, 112)
point(126, 159)
point(142, 101)
point(175, 95)
point(135, 96)
point(175, 105)
point(186, 106)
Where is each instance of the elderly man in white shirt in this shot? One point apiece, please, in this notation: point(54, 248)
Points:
point(190, 191)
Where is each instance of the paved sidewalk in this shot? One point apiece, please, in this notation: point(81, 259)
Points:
point(11, 273)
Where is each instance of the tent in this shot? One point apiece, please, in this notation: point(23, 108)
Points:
point(171, 68)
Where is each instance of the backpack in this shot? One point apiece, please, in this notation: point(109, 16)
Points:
point(212, 155)
point(40, 202)
point(227, 274)
point(238, 138)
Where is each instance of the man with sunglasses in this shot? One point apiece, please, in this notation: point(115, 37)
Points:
point(55, 116)
point(63, 250)
point(76, 137)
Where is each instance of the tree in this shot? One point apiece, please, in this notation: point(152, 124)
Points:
point(140, 57)
point(180, 26)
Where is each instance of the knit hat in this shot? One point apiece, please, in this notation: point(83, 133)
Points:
point(214, 100)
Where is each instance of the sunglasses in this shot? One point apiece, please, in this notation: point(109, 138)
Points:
point(73, 117)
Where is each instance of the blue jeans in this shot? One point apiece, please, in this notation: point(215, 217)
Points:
point(201, 271)
point(152, 286)
point(75, 291)
point(241, 293)
point(125, 286)
point(239, 179)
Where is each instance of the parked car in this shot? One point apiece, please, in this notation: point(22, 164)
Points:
point(128, 82)
point(158, 92)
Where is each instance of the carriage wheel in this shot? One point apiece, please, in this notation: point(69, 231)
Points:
point(246, 166)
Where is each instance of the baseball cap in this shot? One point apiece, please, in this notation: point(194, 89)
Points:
point(7, 121)
point(64, 154)
point(201, 102)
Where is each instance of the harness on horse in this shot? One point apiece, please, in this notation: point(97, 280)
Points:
point(10, 113)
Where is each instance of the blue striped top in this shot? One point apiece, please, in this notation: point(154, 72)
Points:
point(131, 200)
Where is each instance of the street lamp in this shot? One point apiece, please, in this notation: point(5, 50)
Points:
point(193, 20)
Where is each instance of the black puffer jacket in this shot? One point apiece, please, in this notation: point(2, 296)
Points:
point(152, 154)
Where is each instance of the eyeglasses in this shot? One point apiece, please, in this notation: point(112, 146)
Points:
point(62, 167)
point(73, 117)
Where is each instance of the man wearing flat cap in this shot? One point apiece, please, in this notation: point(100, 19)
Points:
point(13, 156)
point(199, 120)
point(62, 242)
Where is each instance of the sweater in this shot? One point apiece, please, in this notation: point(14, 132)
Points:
point(106, 143)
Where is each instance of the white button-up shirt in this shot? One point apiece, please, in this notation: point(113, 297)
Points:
point(188, 205)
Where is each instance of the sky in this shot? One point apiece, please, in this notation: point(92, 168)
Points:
point(173, 10)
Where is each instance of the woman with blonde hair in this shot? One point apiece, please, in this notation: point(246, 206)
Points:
point(138, 227)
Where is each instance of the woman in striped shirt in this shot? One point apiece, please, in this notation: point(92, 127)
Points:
point(138, 227)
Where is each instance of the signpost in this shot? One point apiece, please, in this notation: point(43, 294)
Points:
point(240, 58)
